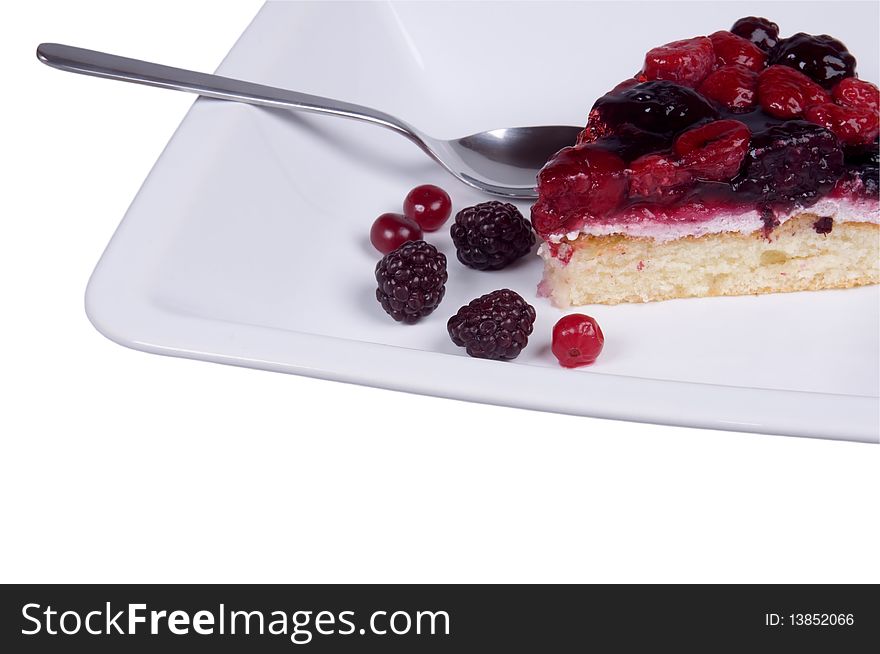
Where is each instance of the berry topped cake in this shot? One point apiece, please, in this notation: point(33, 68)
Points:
point(734, 163)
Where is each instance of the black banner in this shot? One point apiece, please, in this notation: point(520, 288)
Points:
point(438, 618)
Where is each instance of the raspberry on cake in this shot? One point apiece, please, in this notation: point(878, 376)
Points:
point(737, 163)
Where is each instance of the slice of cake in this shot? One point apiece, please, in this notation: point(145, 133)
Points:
point(732, 164)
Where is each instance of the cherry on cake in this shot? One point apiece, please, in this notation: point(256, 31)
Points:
point(735, 163)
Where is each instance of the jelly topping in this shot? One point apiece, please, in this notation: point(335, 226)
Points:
point(733, 122)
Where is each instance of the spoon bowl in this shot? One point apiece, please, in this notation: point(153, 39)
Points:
point(506, 161)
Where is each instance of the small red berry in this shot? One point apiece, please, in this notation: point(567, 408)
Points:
point(852, 125)
point(686, 62)
point(577, 340)
point(854, 92)
point(714, 151)
point(785, 93)
point(658, 178)
point(736, 87)
point(391, 230)
point(429, 206)
point(731, 50)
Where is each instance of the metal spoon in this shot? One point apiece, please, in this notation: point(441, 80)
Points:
point(501, 161)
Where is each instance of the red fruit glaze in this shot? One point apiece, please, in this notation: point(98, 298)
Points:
point(736, 87)
point(708, 130)
point(391, 230)
point(429, 206)
point(785, 93)
point(852, 125)
point(578, 182)
point(686, 62)
point(714, 151)
point(731, 50)
point(853, 92)
point(577, 340)
point(657, 178)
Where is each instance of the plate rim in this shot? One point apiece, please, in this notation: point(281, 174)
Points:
point(135, 320)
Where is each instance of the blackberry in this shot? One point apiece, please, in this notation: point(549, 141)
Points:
point(868, 153)
point(657, 108)
point(820, 57)
point(863, 179)
point(412, 281)
point(867, 168)
point(491, 235)
point(870, 176)
point(494, 326)
point(794, 161)
point(760, 31)
point(630, 143)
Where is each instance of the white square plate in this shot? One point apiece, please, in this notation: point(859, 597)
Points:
point(248, 243)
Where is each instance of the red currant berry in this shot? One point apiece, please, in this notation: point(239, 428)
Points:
point(429, 206)
point(391, 230)
point(577, 340)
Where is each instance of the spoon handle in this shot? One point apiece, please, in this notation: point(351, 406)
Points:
point(102, 64)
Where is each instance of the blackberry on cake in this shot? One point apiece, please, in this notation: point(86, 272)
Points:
point(708, 174)
point(760, 31)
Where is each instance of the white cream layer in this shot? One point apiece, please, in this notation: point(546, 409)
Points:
point(841, 210)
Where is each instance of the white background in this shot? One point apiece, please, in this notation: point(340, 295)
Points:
point(119, 466)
